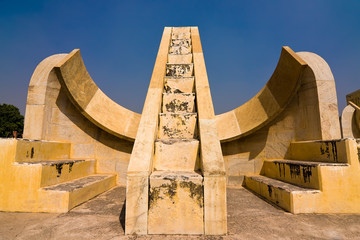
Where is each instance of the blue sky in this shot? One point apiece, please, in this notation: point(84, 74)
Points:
point(119, 41)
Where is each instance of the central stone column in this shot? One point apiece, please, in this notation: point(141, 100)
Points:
point(176, 181)
point(176, 200)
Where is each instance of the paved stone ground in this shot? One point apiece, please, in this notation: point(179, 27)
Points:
point(249, 218)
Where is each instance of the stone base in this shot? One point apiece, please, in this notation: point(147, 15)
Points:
point(176, 203)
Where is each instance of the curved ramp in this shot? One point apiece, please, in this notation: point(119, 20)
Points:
point(92, 102)
point(268, 103)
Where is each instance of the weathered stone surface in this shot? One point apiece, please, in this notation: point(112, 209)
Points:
point(137, 189)
point(178, 103)
point(179, 85)
point(176, 203)
point(176, 155)
point(323, 151)
point(180, 50)
point(179, 70)
point(180, 35)
point(215, 212)
point(174, 125)
point(180, 47)
point(181, 42)
point(284, 194)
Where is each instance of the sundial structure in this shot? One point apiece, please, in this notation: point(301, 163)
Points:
point(177, 157)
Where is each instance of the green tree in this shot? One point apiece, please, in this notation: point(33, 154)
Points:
point(10, 120)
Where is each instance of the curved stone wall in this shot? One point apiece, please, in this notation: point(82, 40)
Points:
point(92, 102)
point(268, 103)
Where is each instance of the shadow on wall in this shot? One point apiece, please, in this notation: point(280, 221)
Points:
point(244, 156)
point(252, 146)
point(122, 216)
point(88, 128)
point(354, 125)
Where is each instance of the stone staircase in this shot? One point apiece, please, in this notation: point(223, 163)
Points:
point(43, 178)
point(176, 187)
point(318, 177)
point(176, 179)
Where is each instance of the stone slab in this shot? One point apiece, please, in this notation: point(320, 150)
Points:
point(180, 35)
point(179, 70)
point(181, 42)
point(180, 50)
point(176, 203)
point(215, 212)
point(176, 154)
point(180, 58)
point(179, 85)
point(174, 125)
point(178, 103)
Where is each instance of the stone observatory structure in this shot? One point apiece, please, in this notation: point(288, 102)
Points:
point(350, 117)
point(171, 188)
point(177, 157)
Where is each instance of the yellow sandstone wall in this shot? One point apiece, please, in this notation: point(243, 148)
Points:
point(50, 115)
point(311, 114)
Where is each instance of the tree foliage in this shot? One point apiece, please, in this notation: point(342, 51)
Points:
point(10, 120)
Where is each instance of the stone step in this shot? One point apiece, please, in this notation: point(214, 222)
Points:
point(41, 150)
point(181, 42)
point(176, 155)
point(54, 172)
point(179, 85)
point(181, 29)
point(63, 197)
point(177, 125)
point(179, 70)
point(180, 58)
point(180, 47)
point(179, 50)
point(180, 35)
point(302, 173)
point(176, 203)
point(292, 198)
point(178, 103)
point(318, 151)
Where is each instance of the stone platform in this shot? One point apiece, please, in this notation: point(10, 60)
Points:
point(249, 218)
